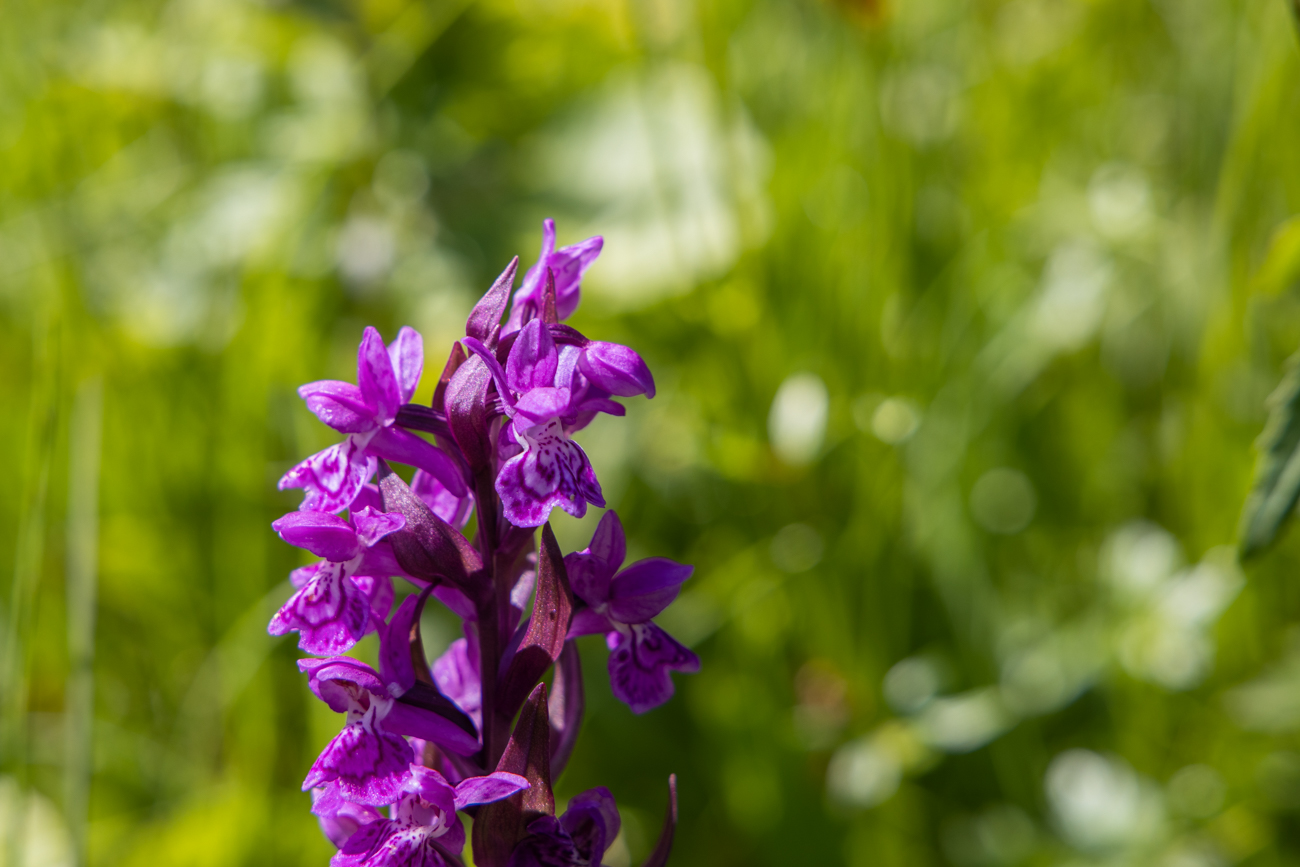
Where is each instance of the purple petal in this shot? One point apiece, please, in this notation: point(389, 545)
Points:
point(588, 622)
point(616, 369)
point(332, 478)
point(376, 378)
point(380, 592)
point(533, 359)
point(569, 264)
point(552, 472)
point(395, 444)
point(485, 790)
point(540, 405)
point(427, 725)
point(406, 355)
point(395, 665)
point(645, 588)
point(340, 818)
point(374, 524)
point(457, 601)
point(608, 543)
point(432, 787)
point(592, 822)
point(379, 560)
point(639, 666)
point(455, 510)
point(547, 845)
point(327, 677)
point(369, 765)
point(457, 678)
point(300, 576)
point(330, 613)
point(321, 533)
point(341, 405)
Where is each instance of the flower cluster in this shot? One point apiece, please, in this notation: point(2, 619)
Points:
point(475, 731)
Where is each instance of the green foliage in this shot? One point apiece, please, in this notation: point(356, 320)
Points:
point(964, 314)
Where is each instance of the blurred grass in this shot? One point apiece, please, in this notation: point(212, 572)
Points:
point(1030, 263)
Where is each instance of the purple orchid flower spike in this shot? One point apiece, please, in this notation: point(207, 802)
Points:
point(568, 265)
point(331, 610)
point(369, 760)
point(423, 830)
point(386, 378)
point(577, 839)
point(536, 393)
point(621, 606)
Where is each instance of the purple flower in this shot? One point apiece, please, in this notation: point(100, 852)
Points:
point(621, 605)
point(366, 412)
point(567, 264)
point(457, 677)
point(546, 392)
point(423, 829)
point(577, 839)
point(331, 610)
point(369, 760)
point(452, 508)
point(340, 818)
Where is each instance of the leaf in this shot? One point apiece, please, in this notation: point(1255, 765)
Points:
point(500, 825)
point(485, 319)
point(543, 642)
point(659, 857)
point(427, 548)
point(1277, 471)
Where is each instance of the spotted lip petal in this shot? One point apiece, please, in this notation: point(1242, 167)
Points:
point(552, 471)
point(639, 666)
point(369, 765)
point(330, 613)
point(332, 478)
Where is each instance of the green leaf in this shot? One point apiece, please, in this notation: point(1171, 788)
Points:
point(1277, 472)
point(1281, 265)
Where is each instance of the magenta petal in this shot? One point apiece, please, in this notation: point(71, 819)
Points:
point(375, 376)
point(592, 821)
point(340, 818)
point(379, 559)
point(330, 613)
point(341, 405)
point(608, 542)
point(432, 787)
point(300, 576)
point(374, 524)
point(540, 405)
point(455, 510)
point(369, 765)
point(427, 725)
point(552, 472)
point(616, 369)
point(645, 588)
point(533, 359)
point(588, 622)
point(325, 675)
point(406, 354)
point(457, 678)
point(332, 478)
point(568, 265)
point(395, 664)
point(485, 790)
point(395, 444)
point(639, 666)
point(380, 592)
point(321, 533)
point(589, 577)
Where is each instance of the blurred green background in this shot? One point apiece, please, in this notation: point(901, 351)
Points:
point(964, 314)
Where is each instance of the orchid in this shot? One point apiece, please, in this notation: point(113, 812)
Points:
point(620, 607)
point(331, 609)
point(567, 264)
point(474, 729)
point(367, 412)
